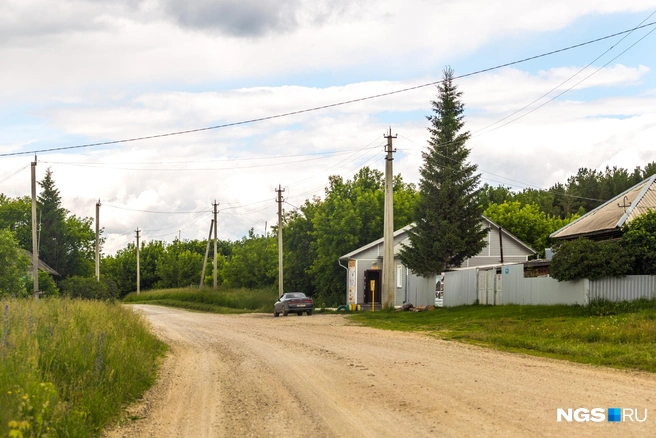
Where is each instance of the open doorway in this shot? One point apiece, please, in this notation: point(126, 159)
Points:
point(372, 281)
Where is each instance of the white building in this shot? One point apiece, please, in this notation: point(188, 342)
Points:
point(364, 267)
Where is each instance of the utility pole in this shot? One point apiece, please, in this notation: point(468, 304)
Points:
point(279, 190)
point(98, 240)
point(207, 252)
point(35, 243)
point(216, 225)
point(138, 273)
point(387, 298)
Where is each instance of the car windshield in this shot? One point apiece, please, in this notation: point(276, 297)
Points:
point(295, 295)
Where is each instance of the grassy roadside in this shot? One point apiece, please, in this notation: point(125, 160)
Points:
point(209, 300)
point(68, 366)
point(620, 335)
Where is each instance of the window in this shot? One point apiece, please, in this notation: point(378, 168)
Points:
point(399, 276)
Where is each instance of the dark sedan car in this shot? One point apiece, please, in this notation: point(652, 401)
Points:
point(294, 302)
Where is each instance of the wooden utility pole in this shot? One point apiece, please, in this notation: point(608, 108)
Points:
point(207, 252)
point(35, 243)
point(280, 200)
point(387, 296)
point(138, 273)
point(98, 240)
point(215, 251)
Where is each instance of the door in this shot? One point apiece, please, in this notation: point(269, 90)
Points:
point(372, 283)
point(482, 287)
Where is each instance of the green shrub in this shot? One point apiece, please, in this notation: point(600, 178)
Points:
point(90, 289)
point(584, 258)
point(46, 285)
point(639, 239)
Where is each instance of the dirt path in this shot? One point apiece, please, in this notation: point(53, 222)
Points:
point(320, 376)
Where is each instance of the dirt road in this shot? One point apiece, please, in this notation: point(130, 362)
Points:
point(321, 376)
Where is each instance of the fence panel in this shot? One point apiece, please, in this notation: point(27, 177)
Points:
point(460, 287)
point(628, 288)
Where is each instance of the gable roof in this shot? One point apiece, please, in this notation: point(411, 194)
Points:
point(608, 219)
point(42, 265)
point(397, 246)
point(376, 242)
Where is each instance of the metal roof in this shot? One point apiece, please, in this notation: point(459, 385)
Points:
point(398, 245)
point(612, 215)
point(42, 265)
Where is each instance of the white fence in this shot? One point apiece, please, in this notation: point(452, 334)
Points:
point(628, 288)
point(463, 287)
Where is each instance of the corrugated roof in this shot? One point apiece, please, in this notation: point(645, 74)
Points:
point(612, 215)
point(42, 265)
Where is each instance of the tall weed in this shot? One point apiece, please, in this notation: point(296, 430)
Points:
point(68, 366)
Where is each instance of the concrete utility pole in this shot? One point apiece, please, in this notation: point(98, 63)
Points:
point(138, 273)
point(207, 252)
point(98, 240)
point(35, 243)
point(216, 225)
point(280, 200)
point(387, 296)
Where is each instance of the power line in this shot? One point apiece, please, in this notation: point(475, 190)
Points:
point(14, 174)
point(191, 169)
point(568, 89)
point(153, 211)
point(514, 180)
point(100, 165)
point(321, 107)
point(568, 79)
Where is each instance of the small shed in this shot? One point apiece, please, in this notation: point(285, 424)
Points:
point(364, 267)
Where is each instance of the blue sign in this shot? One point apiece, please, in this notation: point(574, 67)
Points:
point(507, 270)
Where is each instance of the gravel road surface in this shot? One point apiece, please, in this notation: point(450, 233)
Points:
point(323, 376)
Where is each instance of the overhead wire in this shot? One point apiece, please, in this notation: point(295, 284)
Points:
point(321, 107)
point(568, 79)
point(8, 177)
point(568, 89)
point(501, 176)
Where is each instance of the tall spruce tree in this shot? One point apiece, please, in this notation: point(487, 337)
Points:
point(447, 216)
point(52, 217)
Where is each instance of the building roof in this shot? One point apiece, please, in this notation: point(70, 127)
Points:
point(608, 219)
point(398, 245)
point(42, 265)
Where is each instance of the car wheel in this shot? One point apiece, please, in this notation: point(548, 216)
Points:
point(284, 313)
point(276, 314)
point(300, 313)
point(309, 312)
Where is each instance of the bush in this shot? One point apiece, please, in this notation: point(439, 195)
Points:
point(46, 285)
point(584, 258)
point(90, 289)
point(639, 239)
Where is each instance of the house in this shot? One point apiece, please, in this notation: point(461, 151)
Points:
point(42, 265)
point(607, 220)
point(364, 267)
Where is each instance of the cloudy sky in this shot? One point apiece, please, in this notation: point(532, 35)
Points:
point(79, 72)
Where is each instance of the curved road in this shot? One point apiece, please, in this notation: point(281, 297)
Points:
point(322, 376)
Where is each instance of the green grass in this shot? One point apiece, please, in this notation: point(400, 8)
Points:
point(621, 335)
point(67, 367)
point(210, 300)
